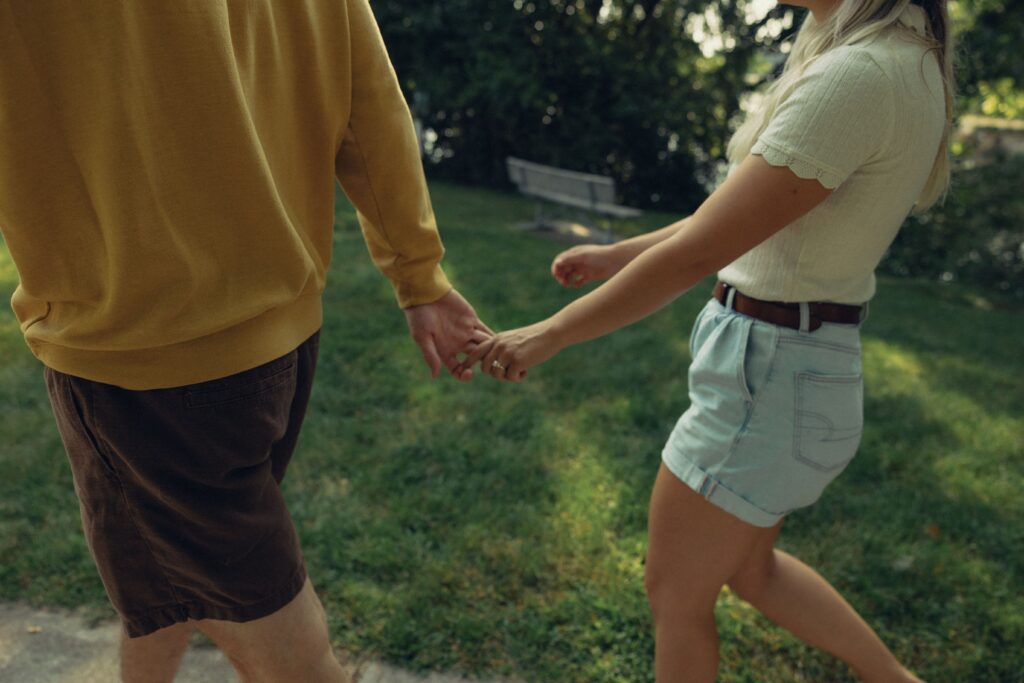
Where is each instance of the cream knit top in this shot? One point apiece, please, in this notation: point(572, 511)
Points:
point(866, 120)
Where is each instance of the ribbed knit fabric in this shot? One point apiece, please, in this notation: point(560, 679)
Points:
point(167, 178)
point(865, 120)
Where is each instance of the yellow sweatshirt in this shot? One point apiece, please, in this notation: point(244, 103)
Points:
point(167, 177)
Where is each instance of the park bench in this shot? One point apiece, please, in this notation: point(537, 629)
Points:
point(591, 193)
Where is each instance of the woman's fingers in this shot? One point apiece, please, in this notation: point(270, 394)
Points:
point(496, 358)
point(569, 276)
point(493, 363)
point(476, 355)
point(563, 265)
point(514, 372)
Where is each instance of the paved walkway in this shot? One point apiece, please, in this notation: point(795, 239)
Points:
point(52, 646)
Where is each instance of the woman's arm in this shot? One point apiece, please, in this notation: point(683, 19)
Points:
point(629, 249)
point(588, 262)
point(755, 202)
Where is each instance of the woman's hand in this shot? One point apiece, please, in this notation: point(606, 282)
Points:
point(509, 355)
point(588, 262)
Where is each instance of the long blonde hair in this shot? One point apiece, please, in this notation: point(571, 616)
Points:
point(854, 21)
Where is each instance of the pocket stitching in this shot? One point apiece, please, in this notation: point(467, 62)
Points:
point(807, 377)
point(820, 344)
point(741, 370)
point(76, 408)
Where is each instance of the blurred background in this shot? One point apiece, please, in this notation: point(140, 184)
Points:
point(648, 92)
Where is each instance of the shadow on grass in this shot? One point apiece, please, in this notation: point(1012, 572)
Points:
point(501, 528)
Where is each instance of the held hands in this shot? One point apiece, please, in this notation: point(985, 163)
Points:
point(509, 355)
point(445, 328)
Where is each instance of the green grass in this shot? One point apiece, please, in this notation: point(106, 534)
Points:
point(494, 528)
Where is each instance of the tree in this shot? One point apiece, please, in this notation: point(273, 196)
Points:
point(614, 87)
point(989, 55)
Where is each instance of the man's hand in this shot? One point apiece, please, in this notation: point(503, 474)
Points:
point(445, 328)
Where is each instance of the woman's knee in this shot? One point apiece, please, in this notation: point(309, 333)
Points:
point(671, 596)
point(753, 577)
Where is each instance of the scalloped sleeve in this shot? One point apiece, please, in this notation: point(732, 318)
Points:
point(840, 114)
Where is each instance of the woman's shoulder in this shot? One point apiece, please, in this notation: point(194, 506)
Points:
point(890, 53)
point(849, 72)
point(858, 60)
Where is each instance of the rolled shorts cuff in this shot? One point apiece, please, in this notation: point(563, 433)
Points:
point(714, 491)
point(149, 621)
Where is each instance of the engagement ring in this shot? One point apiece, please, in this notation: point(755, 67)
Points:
point(496, 364)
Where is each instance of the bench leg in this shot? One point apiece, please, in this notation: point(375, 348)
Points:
point(538, 216)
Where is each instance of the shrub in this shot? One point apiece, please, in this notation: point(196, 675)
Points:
point(976, 236)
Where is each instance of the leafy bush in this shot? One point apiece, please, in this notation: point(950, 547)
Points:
point(621, 87)
point(976, 236)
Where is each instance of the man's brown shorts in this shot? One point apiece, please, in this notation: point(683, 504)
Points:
point(179, 490)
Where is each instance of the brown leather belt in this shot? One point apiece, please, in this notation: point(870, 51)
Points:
point(788, 315)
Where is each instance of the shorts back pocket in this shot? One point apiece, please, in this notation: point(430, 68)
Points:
point(829, 419)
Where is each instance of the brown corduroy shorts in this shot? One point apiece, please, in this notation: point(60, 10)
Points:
point(179, 490)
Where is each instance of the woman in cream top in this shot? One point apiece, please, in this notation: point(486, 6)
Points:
point(847, 141)
point(865, 120)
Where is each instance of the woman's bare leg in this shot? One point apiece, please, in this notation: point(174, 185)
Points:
point(800, 600)
point(694, 548)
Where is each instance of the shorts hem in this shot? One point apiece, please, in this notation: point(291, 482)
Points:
point(716, 492)
point(149, 621)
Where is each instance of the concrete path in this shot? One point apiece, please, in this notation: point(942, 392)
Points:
point(53, 646)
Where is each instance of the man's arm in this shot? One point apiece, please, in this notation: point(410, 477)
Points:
point(379, 167)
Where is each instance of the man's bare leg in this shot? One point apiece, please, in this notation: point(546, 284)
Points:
point(289, 645)
point(154, 658)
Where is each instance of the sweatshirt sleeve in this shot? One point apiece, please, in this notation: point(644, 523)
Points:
point(840, 113)
point(379, 167)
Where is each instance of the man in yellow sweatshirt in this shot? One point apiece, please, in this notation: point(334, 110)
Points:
point(167, 181)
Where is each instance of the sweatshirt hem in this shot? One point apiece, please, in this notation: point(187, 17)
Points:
point(236, 349)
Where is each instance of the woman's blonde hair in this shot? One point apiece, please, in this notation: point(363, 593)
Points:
point(854, 21)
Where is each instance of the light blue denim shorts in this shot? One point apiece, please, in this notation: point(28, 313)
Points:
point(775, 413)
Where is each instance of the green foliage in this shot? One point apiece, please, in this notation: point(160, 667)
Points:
point(617, 88)
point(1001, 98)
point(492, 528)
point(976, 236)
point(988, 56)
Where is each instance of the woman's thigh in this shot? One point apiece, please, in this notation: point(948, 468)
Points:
point(694, 546)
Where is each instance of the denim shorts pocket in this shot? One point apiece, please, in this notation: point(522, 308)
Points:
point(829, 419)
point(760, 345)
point(695, 341)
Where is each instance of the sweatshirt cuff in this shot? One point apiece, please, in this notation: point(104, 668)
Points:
point(424, 287)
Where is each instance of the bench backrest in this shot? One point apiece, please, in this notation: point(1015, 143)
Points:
point(551, 183)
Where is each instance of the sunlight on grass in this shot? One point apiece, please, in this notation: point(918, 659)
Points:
point(983, 446)
point(890, 367)
point(491, 529)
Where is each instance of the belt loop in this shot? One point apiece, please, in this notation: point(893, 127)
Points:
point(805, 317)
point(730, 297)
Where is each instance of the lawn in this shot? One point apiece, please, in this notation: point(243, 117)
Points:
point(490, 528)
